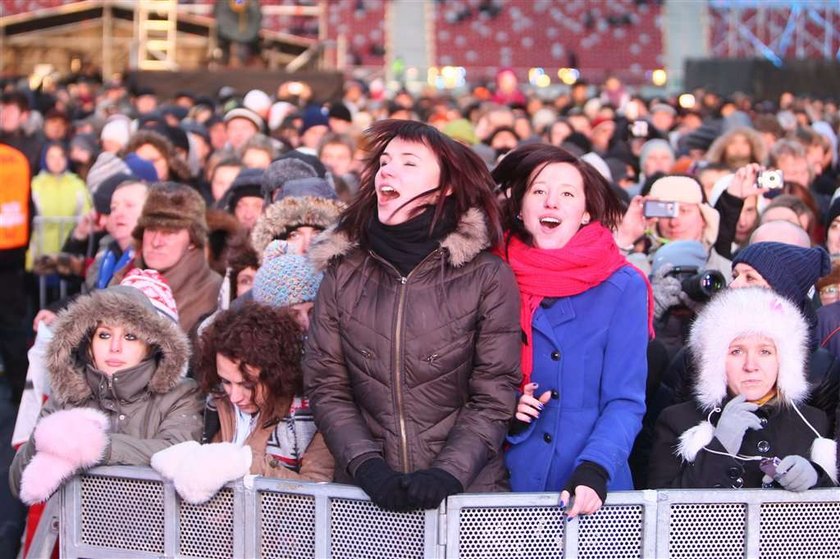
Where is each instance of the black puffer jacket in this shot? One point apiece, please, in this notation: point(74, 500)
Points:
point(422, 370)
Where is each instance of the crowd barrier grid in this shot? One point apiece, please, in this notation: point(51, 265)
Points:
point(119, 512)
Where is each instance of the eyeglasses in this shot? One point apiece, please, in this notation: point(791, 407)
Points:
point(830, 291)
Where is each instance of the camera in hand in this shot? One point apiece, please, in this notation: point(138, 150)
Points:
point(699, 285)
point(770, 179)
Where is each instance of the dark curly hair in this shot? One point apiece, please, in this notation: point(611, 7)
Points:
point(261, 337)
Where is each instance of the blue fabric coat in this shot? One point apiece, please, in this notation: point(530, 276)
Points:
point(590, 351)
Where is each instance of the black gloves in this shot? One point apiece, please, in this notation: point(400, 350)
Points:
point(395, 492)
point(427, 488)
point(384, 486)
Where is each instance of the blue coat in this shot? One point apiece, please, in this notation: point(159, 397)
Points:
point(590, 351)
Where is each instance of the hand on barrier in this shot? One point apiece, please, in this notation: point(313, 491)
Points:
point(200, 471)
point(737, 416)
point(383, 485)
point(796, 473)
point(585, 501)
point(428, 488)
point(589, 483)
point(167, 461)
point(66, 442)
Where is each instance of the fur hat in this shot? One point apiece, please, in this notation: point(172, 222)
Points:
point(686, 190)
point(171, 205)
point(285, 279)
point(734, 313)
point(281, 218)
point(790, 270)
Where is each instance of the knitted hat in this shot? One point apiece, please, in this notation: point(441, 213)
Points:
point(282, 171)
point(339, 111)
point(247, 183)
point(106, 165)
point(685, 254)
point(686, 190)
point(171, 205)
point(790, 270)
point(117, 130)
point(313, 115)
point(142, 168)
point(734, 313)
point(155, 287)
point(257, 100)
point(310, 186)
point(702, 137)
point(285, 279)
point(103, 194)
point(241, 112)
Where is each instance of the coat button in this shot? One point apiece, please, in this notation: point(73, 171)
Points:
point(763, 447)
point(122, 417)
point(763, 421)
point(273, 463)
point(555, 394)
point(555, 356)
point(733, 472)
point(547, 438)
point(738, 483)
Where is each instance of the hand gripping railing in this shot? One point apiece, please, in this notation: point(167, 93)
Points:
point(118, 512)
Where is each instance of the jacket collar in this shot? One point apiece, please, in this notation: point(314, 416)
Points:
point(462, 245)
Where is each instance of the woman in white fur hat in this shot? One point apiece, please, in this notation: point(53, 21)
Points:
point(750, 347)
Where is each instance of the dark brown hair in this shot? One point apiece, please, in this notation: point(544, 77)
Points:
point(258, 336)
point(461, 170)
point(515, 173)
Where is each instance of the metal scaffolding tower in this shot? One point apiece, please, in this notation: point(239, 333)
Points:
point(774, 29)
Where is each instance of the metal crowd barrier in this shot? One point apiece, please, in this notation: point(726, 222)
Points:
point(120, 512)
point(63, 226)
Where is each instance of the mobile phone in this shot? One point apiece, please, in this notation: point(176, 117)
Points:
point(660, 208)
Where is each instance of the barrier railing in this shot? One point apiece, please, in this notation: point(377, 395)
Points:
point(58, 228)
point(118, 512)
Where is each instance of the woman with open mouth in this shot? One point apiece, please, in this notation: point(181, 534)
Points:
point(411, 365)
point(585, 317)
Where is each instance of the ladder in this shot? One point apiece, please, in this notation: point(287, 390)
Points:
point(155, 27)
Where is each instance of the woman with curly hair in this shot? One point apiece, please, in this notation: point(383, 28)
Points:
point(255, 418)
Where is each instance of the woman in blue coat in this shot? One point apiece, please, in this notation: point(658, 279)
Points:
point(585, 319)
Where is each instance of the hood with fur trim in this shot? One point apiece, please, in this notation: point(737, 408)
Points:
point(462, 245)
point(75, 325)
point(734, 313)
point(290, 213)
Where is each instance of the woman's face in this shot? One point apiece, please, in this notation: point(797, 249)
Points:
point(752, 367)
point(56, 160)
point(738, 151)
point(658, 161)
point(744, 275)
point(832, 242)
point(554, 206)
point(301, 313)
point(244, 392)
point(407, 170)
point(245, 281)
point(299, 239)
point(115, 348)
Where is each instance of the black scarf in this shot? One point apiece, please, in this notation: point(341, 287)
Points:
point(407, 244)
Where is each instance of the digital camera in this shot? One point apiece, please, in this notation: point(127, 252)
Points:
point(770, 179)
point(699, 285)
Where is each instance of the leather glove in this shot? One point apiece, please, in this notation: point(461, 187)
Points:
point(428, 488)
point(666, 291)
point(737, 416)
point(383, 485)
point(798, 473)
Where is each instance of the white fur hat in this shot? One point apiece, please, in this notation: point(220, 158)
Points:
point(734, 313)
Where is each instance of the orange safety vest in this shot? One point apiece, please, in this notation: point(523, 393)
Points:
point(14, 198)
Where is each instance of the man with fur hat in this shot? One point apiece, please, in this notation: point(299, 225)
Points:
point(172, 234)
point(748, 424)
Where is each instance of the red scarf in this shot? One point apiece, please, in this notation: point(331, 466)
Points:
point(589, 258)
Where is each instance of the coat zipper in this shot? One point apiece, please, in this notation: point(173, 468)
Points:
point(398, 331)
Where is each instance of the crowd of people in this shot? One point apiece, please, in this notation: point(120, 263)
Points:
point(423, 295)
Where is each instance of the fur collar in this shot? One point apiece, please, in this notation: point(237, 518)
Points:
point(462, 245)
point(293, 212)
point(76, 323)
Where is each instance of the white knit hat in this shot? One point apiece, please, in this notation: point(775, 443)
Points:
point(734, 313)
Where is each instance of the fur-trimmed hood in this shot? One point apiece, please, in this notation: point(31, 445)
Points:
point(749, 311)
point(117, 305)
point(290, 213)
point(462, 245)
